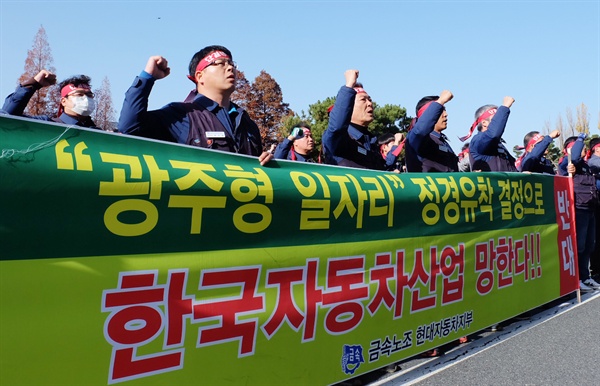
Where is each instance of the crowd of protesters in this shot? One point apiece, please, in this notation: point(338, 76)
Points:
point(208, 118)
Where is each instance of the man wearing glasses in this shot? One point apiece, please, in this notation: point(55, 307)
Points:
point(76, 99)
point(207, 118)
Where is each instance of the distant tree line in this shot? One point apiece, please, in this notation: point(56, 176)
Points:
point(263, 100)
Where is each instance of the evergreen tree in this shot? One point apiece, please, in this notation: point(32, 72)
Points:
point(554, 154)
point(389, 119)
point(319, 117)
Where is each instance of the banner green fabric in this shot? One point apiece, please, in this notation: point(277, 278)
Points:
point(144, 262)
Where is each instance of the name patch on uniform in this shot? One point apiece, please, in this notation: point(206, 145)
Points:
point(215, 134)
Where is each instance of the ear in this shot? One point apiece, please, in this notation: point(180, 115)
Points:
point(198, 76)
point(63, 101)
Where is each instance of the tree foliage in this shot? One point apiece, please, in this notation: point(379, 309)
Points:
point(582, 125)
point(574, 125)
point(318, 118)
point(264, 103)
point(387, 119)
point(45, 101)
point(554, 153)
point(243, 90)
point(104, 115)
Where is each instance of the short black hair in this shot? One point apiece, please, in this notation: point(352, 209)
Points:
point(77, 80)
point(302, 125)
point(423, 101)
point(479, 112)
point(385, 138)
point(198, 56)
point(569, 140)
point(528, 137)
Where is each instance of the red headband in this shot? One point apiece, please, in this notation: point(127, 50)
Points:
point(207, 60)
point(569, 145)
point(535, 139)
point(422, 109)
point(482, 117)
point(590, 152)
point(359, 90)
point(71, 87)
point(527, 148)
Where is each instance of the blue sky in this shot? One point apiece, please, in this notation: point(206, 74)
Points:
point(545, 54)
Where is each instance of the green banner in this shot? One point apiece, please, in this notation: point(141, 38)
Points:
point(133, 261)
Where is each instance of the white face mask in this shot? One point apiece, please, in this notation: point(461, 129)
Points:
point(83, 105)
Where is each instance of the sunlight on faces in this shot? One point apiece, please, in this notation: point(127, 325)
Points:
point(362, 113)
point(534, 141)
point(305, 144)
point(485, 123)
point(68, 103)
point(483, 120)
point(218, 74)
point(442, 122)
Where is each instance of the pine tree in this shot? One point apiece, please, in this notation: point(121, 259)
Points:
point(104, 114)
point(320, 117)
point(389, 119)
point(45, 101)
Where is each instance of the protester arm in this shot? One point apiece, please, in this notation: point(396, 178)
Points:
point(339, 120)
point(577, 149)
point(283, 149)
point(15, 103)
point(536, 154)
point(425, 124)
point(492, 136)
point(135, 106)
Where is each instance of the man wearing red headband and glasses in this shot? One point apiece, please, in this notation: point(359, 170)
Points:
point(206, 119)
point(347, 141)
point(76, 99)
point(486, 149)
point(427, 148)
point(535, 148)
